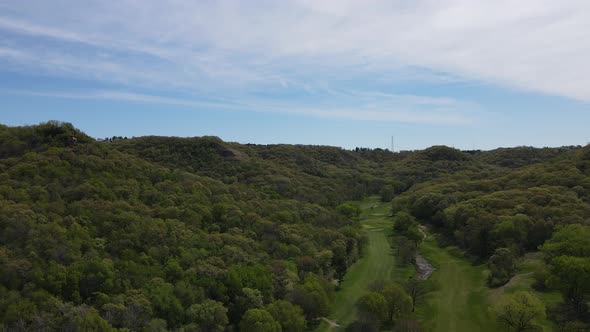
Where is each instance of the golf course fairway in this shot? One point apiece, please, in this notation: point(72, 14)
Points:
point(377, 263)
point(460, 298)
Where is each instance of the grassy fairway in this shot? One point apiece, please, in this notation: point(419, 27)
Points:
point(462, 298)
point(377, 263)
point(461, 301)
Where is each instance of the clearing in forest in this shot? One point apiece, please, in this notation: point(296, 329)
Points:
point(377, 263)
point(460, 300)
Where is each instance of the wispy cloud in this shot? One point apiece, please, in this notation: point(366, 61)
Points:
point(403, 108)
point(308, 48)
point(13, 54)
point(25, 27)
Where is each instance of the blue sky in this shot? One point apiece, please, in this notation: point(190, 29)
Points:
point(464, 73)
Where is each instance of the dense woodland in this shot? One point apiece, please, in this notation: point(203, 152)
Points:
point(197, 234)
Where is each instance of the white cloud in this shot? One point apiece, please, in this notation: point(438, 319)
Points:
point(404, 108)
point(12, 54)
point(231, 47)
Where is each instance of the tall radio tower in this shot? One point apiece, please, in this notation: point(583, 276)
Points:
point(392, 145)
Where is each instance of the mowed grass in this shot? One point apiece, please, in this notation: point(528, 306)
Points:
point(377, 263)
point(460, 299)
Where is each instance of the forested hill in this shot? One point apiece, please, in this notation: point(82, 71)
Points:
point(158, 233)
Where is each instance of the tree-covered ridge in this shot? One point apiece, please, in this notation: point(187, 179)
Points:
point(92, 236)
point(17, 141)
point(502, 215)
point(319, 174)
point(156, 233)
point(523, 156)
point(509, 207)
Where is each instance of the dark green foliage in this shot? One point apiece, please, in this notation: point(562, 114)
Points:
point(363, 326)
point(407, 237)
point(209, 315)
point(314, 296)
point(288, 315)
point(385, 304)
point(403, 221)
point(502, 265)
point(441, 152)
point(372, 307)
point(39, 138)
point(405, 250)
point(522, 156)
point(164, 302)
point(349, 210)
point(399, 303)
point(318, 174)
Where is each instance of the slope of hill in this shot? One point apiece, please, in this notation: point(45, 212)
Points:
point(156, 233)
point(92, 235)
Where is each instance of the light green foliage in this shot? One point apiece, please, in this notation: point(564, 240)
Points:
point(572, 276)
point(178, 221)
point(254, 277)
point(259, 320)
point(568, 255)
point(372, 307)
point(570, 240)
point(482, 208)
point(519, 311)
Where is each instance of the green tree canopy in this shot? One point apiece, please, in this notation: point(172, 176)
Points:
point(288, 315)
point(519, 311)
point(399, 303)
point(373, 307)
point(568, 255)
point(259, 320)
point(314, 296)
point(209, 315)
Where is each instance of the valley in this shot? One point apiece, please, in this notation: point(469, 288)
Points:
point(197, 234)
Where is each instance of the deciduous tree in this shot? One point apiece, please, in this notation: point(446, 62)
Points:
point(519, 311)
